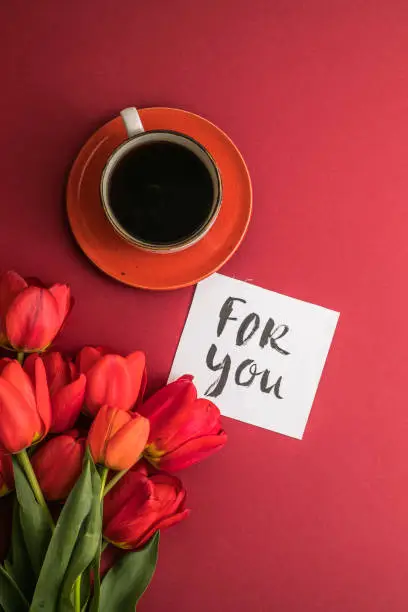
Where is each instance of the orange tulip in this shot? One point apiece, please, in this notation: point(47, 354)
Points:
point(117, 438)
point(58, 464)
point(111, 380)
point(25, 407)
point(30, 315)
point(67, 389)
point(6, 474)
point(140, 504)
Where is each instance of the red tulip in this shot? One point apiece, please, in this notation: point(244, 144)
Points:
point(111, 379)
point(117, 438)
point(58, 464)
point(67, 389)
point(139, 505)
point(183, 429)
point(6, 474)
point(25, 407)
point(31, 316)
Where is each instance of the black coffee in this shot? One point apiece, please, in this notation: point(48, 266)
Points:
point(161, 193)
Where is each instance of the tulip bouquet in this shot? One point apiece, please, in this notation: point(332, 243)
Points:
point(87, 462)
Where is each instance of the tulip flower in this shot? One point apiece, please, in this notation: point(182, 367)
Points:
point(183, 429)
point(30, 315)
point(117, 438)
point(111, 380)
point(67, 389)
point(25, 407)
point(58, 464)
point(140, 504)
point(6, 474)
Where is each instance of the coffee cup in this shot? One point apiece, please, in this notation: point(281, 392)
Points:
point(160, 189)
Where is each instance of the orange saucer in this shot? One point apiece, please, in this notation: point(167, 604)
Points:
point(131, 265)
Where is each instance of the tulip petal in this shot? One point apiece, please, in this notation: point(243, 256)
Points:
point(42, 396)
point(14, 374)
point(3, 362)
point(137, 370)
point(138, 506)
point(66, 405)
point(120, 419)
point(133, 486)
point(87, 357)
point(109, 382)
point(62, 296)
point(126, 446)
point(191, 421)
point(206, 416)
point(132, 520)
point(107, 421)
point(97, 433)
point(58, 371)
point(169, 490)
point(187, 454)
point(19, 421)
point(11, 284)
point(162, 524)
point(171, 400)
point(32, 320)
point(58, 465)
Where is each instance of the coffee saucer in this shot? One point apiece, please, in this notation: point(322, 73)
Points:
point(136, 267)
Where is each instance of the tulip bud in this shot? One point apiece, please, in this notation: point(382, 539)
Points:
point(31, 316)
point(24, 406)
point(117, 438)
point(67, 389)
point(58, 464)
point(140, 504)
point(111, 380)
point(183, 429)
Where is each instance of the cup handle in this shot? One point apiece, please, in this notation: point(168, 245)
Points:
point(132, 121)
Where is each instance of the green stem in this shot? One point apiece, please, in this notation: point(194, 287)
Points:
point(113, 481)
point(104, 545)
point(77, 587)
point(104, 476)
point(20, 357)
point(27, 468)
point(77, 593)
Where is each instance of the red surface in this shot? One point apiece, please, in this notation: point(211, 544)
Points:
point(315, 96)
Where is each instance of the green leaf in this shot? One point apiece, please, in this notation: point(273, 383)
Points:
point(11, 598)
point(34, 520)
point(18, 563)
point(86, 546)
point(62, 544)
point(126, 581)
point(96, 566)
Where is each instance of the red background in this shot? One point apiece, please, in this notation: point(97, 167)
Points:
point(315, 94)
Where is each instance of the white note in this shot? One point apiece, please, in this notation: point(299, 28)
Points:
point(257, 354)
